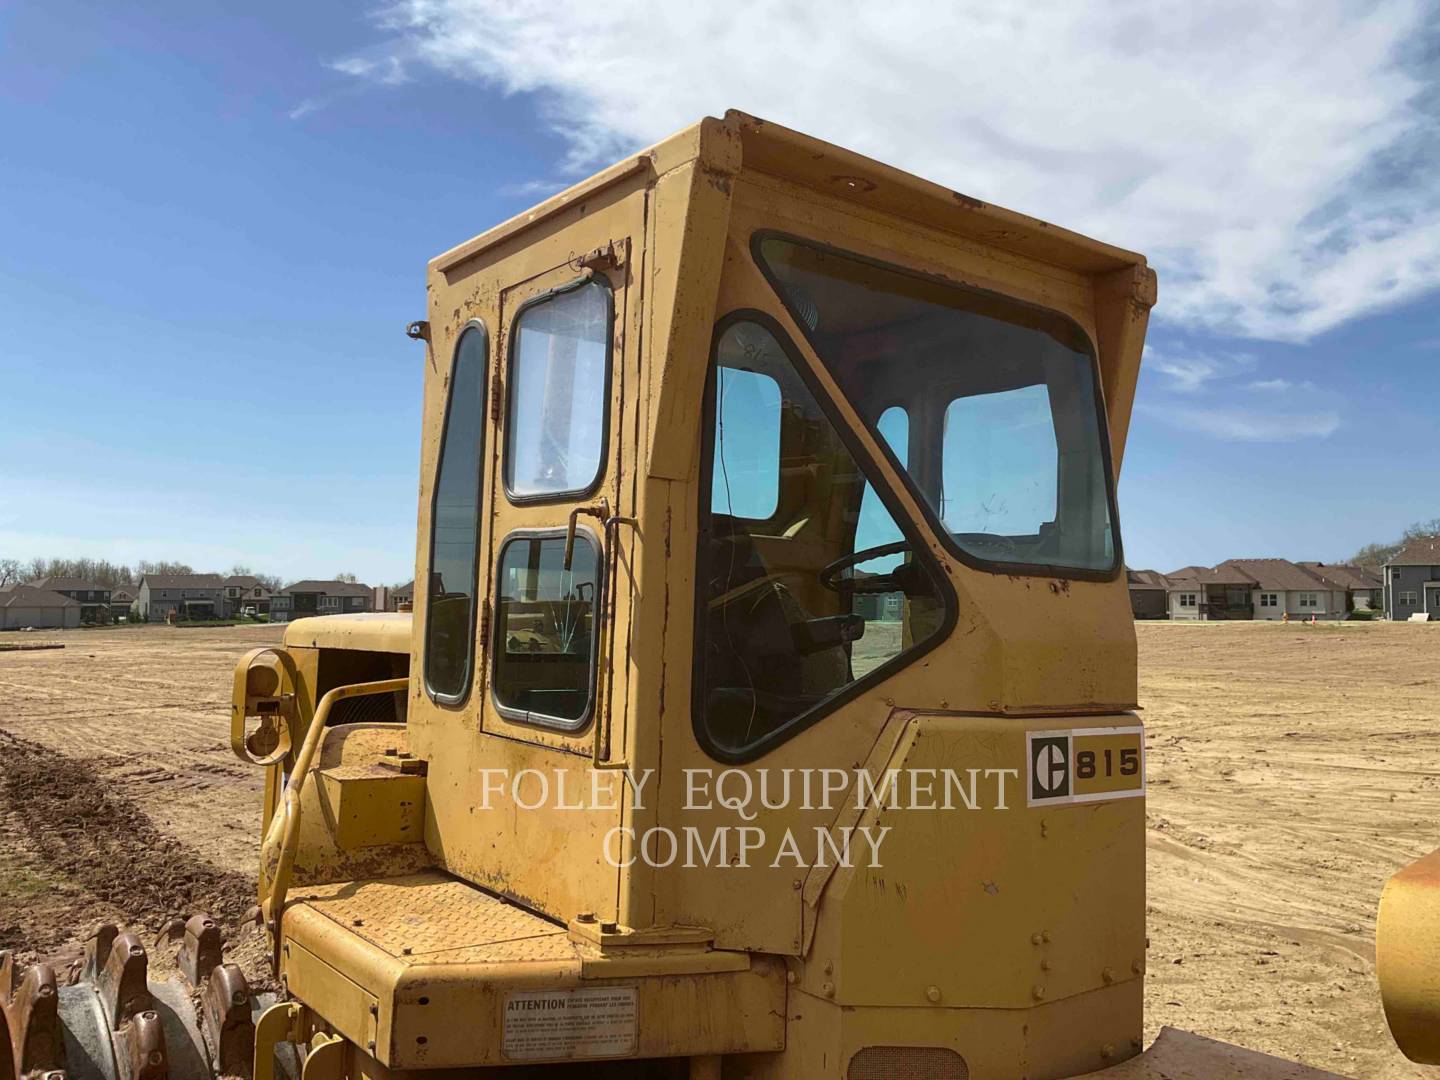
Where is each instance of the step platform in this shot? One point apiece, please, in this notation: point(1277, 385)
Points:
point(427, 971)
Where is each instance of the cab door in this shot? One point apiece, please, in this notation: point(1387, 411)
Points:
point(560, 460)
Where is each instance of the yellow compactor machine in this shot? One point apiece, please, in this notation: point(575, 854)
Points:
point(768, 708)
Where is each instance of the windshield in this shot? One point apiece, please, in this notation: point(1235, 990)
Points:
point(995, 401)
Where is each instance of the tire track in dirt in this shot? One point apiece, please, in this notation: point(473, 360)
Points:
point(88, 852)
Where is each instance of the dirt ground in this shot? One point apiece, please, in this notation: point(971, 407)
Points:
point(1292, 769)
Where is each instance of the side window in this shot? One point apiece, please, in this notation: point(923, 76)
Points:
point(1000, 464)
point(559, 393)
point(883, 611)
point(545, 630)
point(745, 476)
point(807, 586)
point(454, 525)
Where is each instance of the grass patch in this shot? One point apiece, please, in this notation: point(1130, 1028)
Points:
point(19, 885)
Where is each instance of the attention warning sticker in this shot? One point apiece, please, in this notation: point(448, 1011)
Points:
point(553, 1025)
point(1084, 765)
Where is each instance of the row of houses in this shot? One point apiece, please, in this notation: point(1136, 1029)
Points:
point(70, 602)
point(1407, 587)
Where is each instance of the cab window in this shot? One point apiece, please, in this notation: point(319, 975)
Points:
point(559, 393)
point(809, 588)
point(454, 525)
point(1008, 448)
point(545, 630)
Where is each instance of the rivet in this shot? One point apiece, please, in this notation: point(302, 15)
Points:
point(797, 884)
point(1035, 939)
point(1044, 965)
point(1045, 936)
point(933, 993)
point(1037, 992)
point(791, 978)
point(829, 967)
point(828, 989)
point(1107, 1051)
point(1108, 975)
point(156, 1057)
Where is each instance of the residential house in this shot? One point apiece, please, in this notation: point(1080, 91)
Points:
point(1412, 579)
point(94, 600)
point(1148, 597)
point(395, 597)
point(1210, 593)
point(123, 599)
point(183, 596)
point(26, 606)
point(245, 595)
point(305, 598)
point(1282, 588)
point(1362, 587)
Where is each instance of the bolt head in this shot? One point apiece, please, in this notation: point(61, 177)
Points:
point(932, 993)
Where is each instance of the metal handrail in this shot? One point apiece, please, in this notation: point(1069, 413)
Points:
point(287, 824)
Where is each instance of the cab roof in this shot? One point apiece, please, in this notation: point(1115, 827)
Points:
point(740, 142)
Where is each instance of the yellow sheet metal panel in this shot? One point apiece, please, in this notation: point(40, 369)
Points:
point(348, 1007)
point(1003, 905)
point(461, 977)
point(1407, 958)
point(829, 1041)
point(323, 854)
point(376, 631)
point(371, 804)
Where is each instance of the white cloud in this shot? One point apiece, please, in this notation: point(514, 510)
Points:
point(384, 68)
point(1235, 424)
point(1189, 373)
point(1275, 161)
point(535, 188)
point(1278, 385)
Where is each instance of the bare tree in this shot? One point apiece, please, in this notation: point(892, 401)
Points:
point(9, 572)
point(349, 578)
point(1375, 556)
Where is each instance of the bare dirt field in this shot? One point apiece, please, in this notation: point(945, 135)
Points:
point(1292, 769)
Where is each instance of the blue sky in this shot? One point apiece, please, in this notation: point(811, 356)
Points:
point(215, 227)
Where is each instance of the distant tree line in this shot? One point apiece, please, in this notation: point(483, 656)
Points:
point(1375, 555)
point(110, 575)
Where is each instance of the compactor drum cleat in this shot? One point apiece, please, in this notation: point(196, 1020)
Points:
point(110, 1022)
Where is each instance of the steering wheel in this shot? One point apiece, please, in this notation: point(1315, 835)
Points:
point(830, 573)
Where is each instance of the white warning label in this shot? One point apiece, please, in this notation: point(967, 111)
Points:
point(553, 1025)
